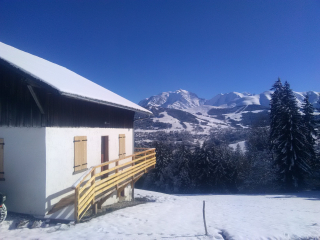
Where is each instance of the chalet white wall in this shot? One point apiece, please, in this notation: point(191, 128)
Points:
point(25, 169)
point(60, 157)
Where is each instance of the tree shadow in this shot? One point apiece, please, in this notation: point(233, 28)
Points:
point(186, 236)
point(307, 195)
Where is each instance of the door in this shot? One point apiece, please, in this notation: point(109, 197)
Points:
point(104, 154)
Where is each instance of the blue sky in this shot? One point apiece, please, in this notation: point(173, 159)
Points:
point(141, 48)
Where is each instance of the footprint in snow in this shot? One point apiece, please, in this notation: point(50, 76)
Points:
point(102, 230)
point(51, 230)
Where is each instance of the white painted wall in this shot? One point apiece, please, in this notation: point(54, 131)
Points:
point(25, 169)
point(60, 157)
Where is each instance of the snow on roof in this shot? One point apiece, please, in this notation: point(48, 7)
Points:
point(68, 83)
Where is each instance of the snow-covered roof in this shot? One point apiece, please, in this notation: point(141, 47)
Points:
point(68, 83)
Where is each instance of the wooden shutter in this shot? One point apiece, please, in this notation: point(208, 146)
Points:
point(1, 159)
point(80, 153)
point(122, 146)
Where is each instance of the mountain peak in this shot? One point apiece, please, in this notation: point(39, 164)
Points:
point(179, 99)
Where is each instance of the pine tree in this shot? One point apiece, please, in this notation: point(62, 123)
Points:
point(161, 173)
point(258, 173)
point(317, 146)
point(310, 131)
point(224, 171)
point(275, 112)
point(202, 168)
point(238, 160)
point(183, 172)
point(318, 121)
point(288, 140)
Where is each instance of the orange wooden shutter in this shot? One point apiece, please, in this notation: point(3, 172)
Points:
point(1, 158)
point(122, 146)
point(80, 153)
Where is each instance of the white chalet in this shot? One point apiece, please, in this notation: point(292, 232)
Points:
point(66, 143)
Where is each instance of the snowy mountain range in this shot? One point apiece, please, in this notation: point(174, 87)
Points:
point(182, 99)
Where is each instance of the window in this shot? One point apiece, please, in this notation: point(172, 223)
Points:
point(80, 153)
point(1, 159)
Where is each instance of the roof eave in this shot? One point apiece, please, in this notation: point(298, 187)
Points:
point(75, 96)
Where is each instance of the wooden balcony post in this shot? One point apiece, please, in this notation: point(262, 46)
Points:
point(76, 202)
point(94, 204)
point(132, 179)
point(132, 164)
point(117, 170)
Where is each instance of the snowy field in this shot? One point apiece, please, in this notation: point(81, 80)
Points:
point(180, 217)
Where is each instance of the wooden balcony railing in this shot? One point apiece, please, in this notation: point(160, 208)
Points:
point(95, 187)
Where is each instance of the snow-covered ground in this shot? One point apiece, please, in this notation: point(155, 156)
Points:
point(180, 217)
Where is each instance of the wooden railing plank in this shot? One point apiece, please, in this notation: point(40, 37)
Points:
point(84, 178)
point(85, 205)
point(116, 174)
point(114, 181)
point(115, 177)
point(89, 193)
point(117, 160)
point(76, 201)
point(82, 188)
point(83, 212)
point(122, 165)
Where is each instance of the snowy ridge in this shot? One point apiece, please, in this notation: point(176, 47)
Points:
point(313, 97)
point(234, 99)
point(182, 99)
